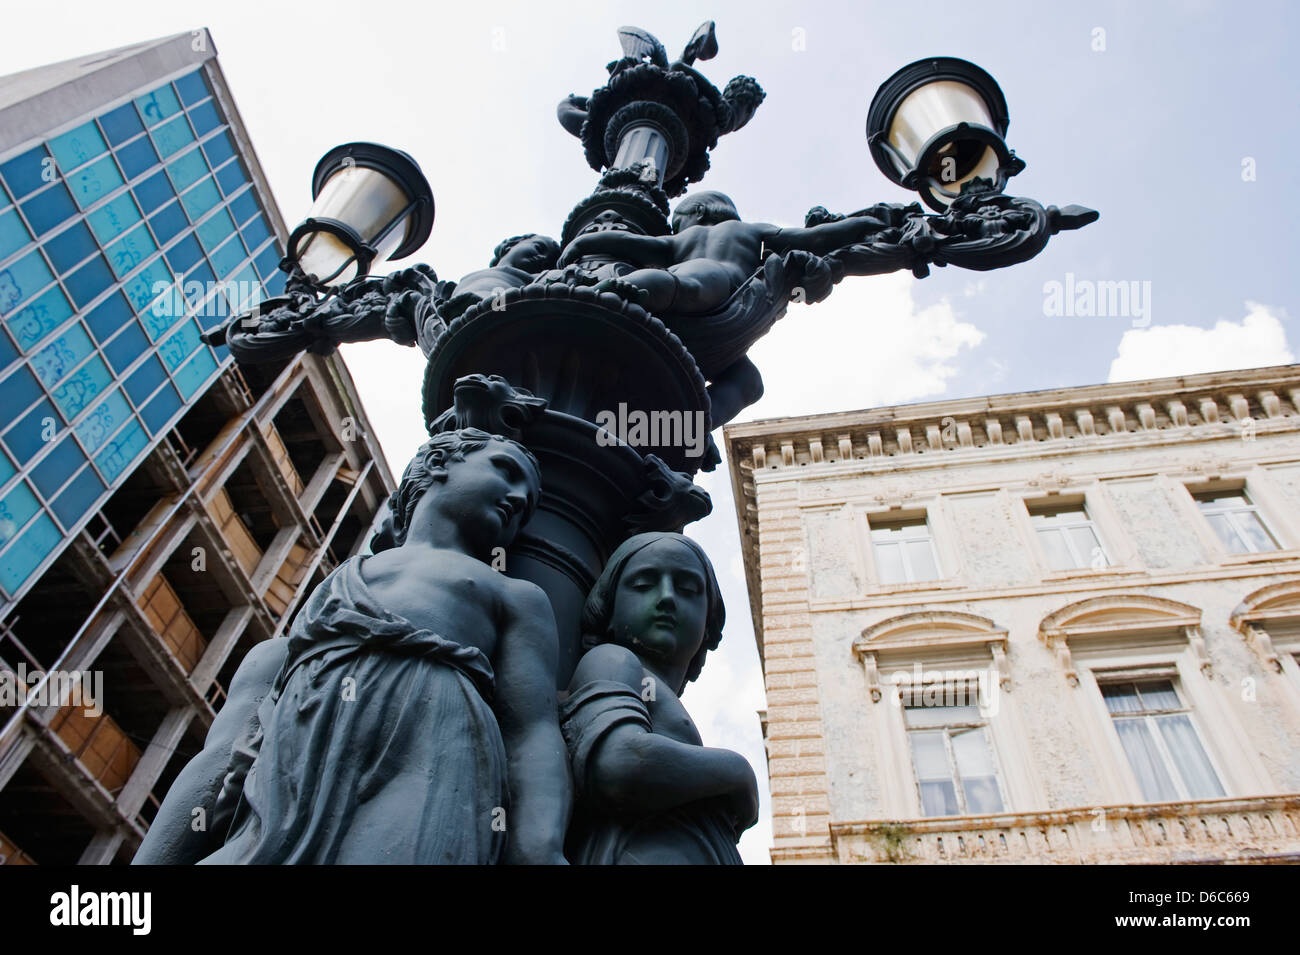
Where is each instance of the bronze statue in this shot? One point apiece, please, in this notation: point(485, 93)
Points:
point(410, 716)
point(648, 790)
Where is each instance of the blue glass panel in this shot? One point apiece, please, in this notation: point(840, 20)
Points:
point(201, 198)
point(138, 157)
point(82, 387)
point(63, 354)
point(268, 261)
point(219, 149)
point(244, 288)
point(23, 279)
point(126, 347)
point(145, 380)
point(121, 124)
point(169, 222)
point(88, 281)
point(47, 209)
point(192, 88)
point(173, 135)
point(8, 353)
point(158, 105)
point(199, 283)
point(275, 284)
point(38, 319)
point(122, 450)
point(153, 192)
point(77, 146)
point(222, 353)
point(244, 207)
point(57, 466)
point(78, 498)
point(130, 250)
point(6, 469)
point(70, 247)
point(95, 181)
point(112, 219)
point(165, 312)
point(186, 170)
point(205, 118)
point(212, 232)
point(28, 172)
point(227, 258)
point(147, 284)
point(158, 412)
point(200, 367)
point(16, 508)
point(21, 560)
point(232, 177)
point(100, 424)
point(108, 316)
point(179, 346)
point(29, 435)
point(13, 234)
point(256, 232)
point(18, 391)
point(184, 255)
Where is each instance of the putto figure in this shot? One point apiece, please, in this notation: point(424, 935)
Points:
point(649, 791)
point(413, 685)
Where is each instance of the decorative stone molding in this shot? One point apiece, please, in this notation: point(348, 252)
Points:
point(993, 428)
point(907, 636)
point(1275, 604)
point(1137, 616)
point(1087, 426)
point(1230, 829)
point(1177, 412)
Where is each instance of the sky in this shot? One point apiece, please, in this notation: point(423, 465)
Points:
point(1177, 121)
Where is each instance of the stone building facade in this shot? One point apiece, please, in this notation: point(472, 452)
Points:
point(1057, 626)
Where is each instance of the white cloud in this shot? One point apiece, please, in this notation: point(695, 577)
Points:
point(1256, 341)
point(866, 345)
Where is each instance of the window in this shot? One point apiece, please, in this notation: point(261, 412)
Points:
point(1068, 537)
point(1236, 521)
point(1163, 748)
point(956, 773)
point(904, 552)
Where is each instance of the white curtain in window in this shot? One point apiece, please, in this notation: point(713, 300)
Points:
point(1189, 757)
point(1144, 756)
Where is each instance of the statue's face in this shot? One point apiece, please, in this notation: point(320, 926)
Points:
point(661, 604)
point(488, 494)
point(531, 254)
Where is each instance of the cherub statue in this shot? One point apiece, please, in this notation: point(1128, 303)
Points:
point(683, 277)
point(410, 716)
point(648, 790)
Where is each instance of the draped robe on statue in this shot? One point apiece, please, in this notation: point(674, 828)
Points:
point(376, 745)
point(694, 834)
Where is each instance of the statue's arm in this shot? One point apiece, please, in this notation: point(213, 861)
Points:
point(541, 793)
point(173, 838)
point(645, 251)
point(825, 238)
point(634, 771)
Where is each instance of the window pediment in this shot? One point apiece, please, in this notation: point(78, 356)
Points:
point(911, 636)
point(1135, 619)
point(1277, 605)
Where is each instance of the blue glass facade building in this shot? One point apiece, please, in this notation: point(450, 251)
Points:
point(123, 235)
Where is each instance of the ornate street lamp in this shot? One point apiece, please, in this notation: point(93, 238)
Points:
point(371, 203)
point(937, 126)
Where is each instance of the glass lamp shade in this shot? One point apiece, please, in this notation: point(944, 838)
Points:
point(371, 204)
point(937, 126)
